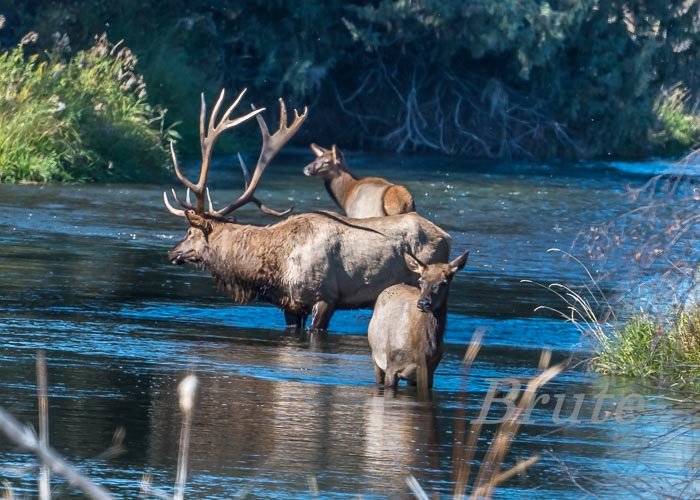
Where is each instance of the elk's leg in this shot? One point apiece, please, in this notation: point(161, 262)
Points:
point(378, 373)
point(294, 321)
point(391, 379)
point(321, 315)
point(430, 379)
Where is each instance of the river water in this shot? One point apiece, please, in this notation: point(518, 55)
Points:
point(85, 277)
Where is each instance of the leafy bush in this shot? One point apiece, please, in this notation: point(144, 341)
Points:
point(81, 119)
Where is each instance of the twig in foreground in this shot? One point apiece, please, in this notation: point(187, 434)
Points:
point(25, 438)
point(43, 396)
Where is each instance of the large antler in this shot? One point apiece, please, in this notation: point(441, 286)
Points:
point(270, 147)
point(207, 139)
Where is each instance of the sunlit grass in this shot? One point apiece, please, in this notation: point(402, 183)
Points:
point(83, 118)
point(645, 347)
point(680, 124)
point(663, 350)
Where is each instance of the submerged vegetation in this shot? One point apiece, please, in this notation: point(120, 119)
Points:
point(80, 117)
point(503, 79)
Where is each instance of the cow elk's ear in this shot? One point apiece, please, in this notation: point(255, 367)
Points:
point(318, 150)
point(198, 222)
point(413, 263)
point(337, 155)
point(459, 262)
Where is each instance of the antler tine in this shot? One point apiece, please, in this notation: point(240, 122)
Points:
point(270, 211)
point(202, 120)
point(261, 206)
point(215, 112)
point(187, 204)
point(172, 209)
point(283, 115)
point(273, 143)
point(225, 119)
point(211, 205)
point(176, 166)
point(246, 174)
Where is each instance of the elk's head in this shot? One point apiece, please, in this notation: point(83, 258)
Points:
point(194, 247)
point(434, 281)
point(329, 163)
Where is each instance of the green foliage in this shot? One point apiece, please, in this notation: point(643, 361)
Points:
point(81, 119)
point(680, 127)
point(482, 78)
point(644, 348)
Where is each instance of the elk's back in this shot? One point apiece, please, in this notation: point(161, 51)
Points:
point(349, 262)
point(367, 198)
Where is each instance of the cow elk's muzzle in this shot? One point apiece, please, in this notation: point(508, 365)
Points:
point(310, 170)
point(424, 304)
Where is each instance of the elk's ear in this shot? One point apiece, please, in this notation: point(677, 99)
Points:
point(199, 222)
point(318, 150)
point(413, 263)
point(459, 262)
point(337, 155)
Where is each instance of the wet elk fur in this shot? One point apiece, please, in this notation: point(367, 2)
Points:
point(359, 198)
point(407, 326)
point(312, 263)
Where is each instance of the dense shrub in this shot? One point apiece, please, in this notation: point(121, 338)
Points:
point(481, 78)
point(76, 119)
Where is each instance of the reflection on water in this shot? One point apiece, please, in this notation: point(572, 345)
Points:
point(85, 277)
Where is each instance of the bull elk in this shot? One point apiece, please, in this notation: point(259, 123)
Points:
point(407, 326)
point(359, 198)
point(312, 263)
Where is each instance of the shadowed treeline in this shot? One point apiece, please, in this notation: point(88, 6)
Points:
point(486, 79)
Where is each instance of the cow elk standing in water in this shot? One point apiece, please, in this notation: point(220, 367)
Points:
point(311, 263)
point(407, 327)
point(360, 198)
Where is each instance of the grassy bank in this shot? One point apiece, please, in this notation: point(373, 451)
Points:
point(79, 117)
point(663, 349)
point(667, 352)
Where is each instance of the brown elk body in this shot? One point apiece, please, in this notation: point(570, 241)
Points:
point(312, 263)
point(359, 198)
point(408, 324)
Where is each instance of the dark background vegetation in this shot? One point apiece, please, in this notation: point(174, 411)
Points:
point(508, 79)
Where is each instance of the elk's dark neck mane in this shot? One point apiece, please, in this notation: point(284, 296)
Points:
point(340, 186)
point(244, 262)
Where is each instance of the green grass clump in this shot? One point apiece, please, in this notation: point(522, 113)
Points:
point(668, 353)
point(679, 124)
point(85, 118)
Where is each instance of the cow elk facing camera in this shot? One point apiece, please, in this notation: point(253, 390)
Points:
point(407, 327)
point(359, 198)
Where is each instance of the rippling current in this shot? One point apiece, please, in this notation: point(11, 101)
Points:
point(85, 277)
